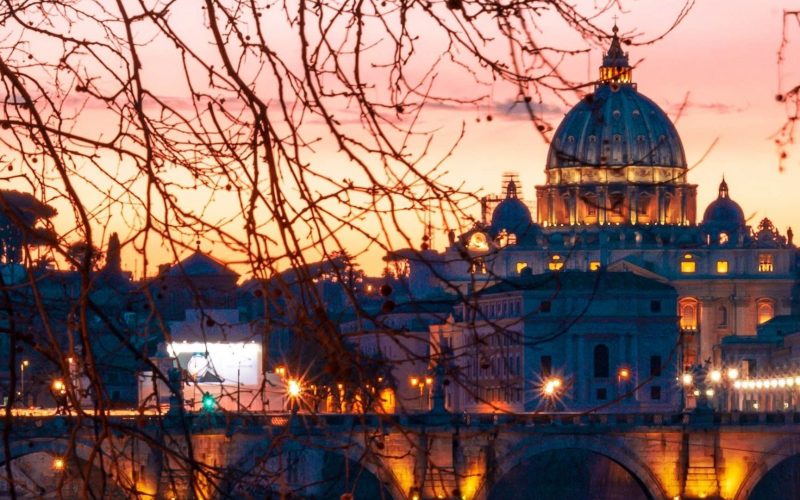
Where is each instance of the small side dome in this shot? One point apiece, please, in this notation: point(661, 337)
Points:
point(511, 214)
point(724, 212)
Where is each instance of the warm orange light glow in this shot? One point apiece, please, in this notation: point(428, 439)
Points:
point(550, 387)
point(428, 381)
point(715, 375)
point(555, 264)
point(766, 263)
point(722, 266)
point(58, 463)
point(414, 381)
point(687, 379)
point(58, 385)
point(624, 374)
point(688, 266)
point(293, 388)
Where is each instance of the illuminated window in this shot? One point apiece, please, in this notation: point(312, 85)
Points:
point(687, 310)
point(723, 238)
point(766, 263)
point(512, 239)
point(765, 310)
point(556, 264)
point(688, 265)
point(722, 266)
point(520, 266)
point(594, 265)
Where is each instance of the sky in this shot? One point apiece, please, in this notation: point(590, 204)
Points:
point(721, 60)
point(723, 56)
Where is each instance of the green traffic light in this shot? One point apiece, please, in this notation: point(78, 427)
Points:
point(209, 403)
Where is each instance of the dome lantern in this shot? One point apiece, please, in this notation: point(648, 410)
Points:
point(615, 68)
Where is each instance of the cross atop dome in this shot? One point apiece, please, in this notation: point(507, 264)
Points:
point(615, 68)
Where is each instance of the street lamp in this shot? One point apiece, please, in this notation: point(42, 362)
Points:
point(550, 391)
point(723, 379)
point(421, 382)
point(22, 367)
point(59, 392)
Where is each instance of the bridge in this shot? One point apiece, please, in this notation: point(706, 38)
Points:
point(699, 454)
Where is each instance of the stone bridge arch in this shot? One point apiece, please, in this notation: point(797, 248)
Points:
point(787, 448)
point(351, 450)
point(608, 447)
point(68, 448)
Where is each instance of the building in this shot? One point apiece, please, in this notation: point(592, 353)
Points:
point(586, 332)
point(616, 198)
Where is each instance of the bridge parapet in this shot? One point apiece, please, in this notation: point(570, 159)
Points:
point(437, 455)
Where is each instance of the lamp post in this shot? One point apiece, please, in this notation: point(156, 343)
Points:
point(22, 367)
point(722, 379)
point(420, 382)
point(550, 390)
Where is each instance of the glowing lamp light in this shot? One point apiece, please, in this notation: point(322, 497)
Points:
point(624, 373)
point(716, 375)
point(208, 402)
point(687, 379)
point(58, 385)
point(773, 383)
point(414, 381)
point(551, 386)
point(428, 381)
point(733, 373)
point(737, 384)
point(293, 388)
point(709, 392)
point(58, 463)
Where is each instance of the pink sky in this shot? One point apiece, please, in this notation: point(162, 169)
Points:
point(723, 55)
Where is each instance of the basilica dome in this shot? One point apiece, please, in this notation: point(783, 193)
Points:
point(511, 214)
point(616, 126)
point(616, 158)
point(723, 211)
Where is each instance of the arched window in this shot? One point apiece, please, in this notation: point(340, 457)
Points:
point(687, 310)
point(765, 310)
point(601, 361)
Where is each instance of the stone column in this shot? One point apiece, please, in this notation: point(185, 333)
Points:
point(602, 203)
point(633, 205)
point(705, 329)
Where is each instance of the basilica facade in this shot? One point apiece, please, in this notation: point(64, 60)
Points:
point(615, 282)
